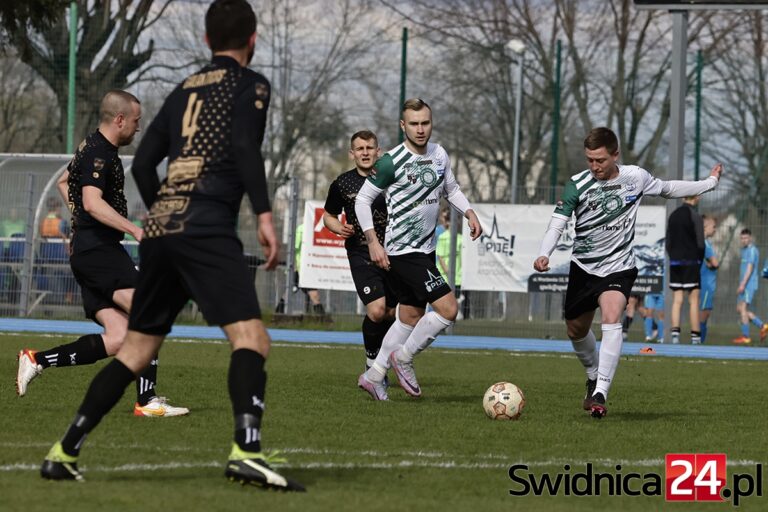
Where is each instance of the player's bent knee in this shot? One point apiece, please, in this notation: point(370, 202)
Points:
point(447, 307)
point(377, 312)
point(112, 343)
point(248, 334)
point(577, 333)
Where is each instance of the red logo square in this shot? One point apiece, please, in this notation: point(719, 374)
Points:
point(695, 477)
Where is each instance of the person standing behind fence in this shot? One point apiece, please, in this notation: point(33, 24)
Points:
point(708, 275)
point(210, 127)
point(371, 282)
point(653, 317)
point(685, 247)
point(52, 225)
point(93, 186)
point(605, 199)
point(443, 252)
point(748, 283)
point(313, 305)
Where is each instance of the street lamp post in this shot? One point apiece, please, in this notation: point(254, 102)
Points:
point(517, 47)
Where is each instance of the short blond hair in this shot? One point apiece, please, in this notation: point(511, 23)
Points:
point(414, 104)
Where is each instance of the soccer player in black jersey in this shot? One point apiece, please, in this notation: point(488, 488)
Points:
point(92, 186)
point(210, 128)
point(370, 280)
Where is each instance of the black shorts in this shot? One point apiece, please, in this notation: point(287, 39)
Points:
point(684, 277)
point(416, 280)
point(371, 282)
point(584, 289)
point(100, 271)
point(212, 271)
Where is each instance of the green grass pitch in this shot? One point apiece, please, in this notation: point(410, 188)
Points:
point(436, 453)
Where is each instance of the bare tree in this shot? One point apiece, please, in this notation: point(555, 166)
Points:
point(24, 118)
point(736, 107)
point(39, 14)
point(314, 51)
point(615, 72)
point(109, 50)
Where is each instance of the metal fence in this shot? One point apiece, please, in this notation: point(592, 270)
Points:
point(35, 279)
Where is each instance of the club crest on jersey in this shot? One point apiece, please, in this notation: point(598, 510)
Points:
point(611, 203)
point(428, 177)
point(433, 282)
point(261, 91)
point(608, 202)
point(98, 164)
point(630, 186)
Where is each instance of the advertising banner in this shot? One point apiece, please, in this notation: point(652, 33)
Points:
point(502, 258)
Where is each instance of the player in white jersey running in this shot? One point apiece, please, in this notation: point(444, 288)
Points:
point(415, 175)
point(604, 199)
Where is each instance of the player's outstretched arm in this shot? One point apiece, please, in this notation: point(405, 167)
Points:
point(675, 189)
point(268, 240)
point(717, 171)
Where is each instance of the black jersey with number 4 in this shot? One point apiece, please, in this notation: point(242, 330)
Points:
point(341, 196)
point(211, 128)
point(96, 164)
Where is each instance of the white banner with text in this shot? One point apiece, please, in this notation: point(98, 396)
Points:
point(502, 258)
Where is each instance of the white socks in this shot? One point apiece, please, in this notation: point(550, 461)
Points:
point(610, 351)
point(586, 351)
point(425, 332)
point(394, 339)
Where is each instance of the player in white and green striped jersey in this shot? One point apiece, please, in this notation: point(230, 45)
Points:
point(415, 175)
point(604, 199)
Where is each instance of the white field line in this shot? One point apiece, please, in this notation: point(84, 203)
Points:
point(575, 466)
point(406, 459)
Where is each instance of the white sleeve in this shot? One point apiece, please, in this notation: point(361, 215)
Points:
point(556, 226)
point(453, 193)
point(365, 196)
point(678, 188)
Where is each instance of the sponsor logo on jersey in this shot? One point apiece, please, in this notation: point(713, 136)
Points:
point(98, 164)
point(630, 186)
point(431, 200)
point(631, 198)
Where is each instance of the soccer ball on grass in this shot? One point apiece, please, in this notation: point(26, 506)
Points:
point(503, 401)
